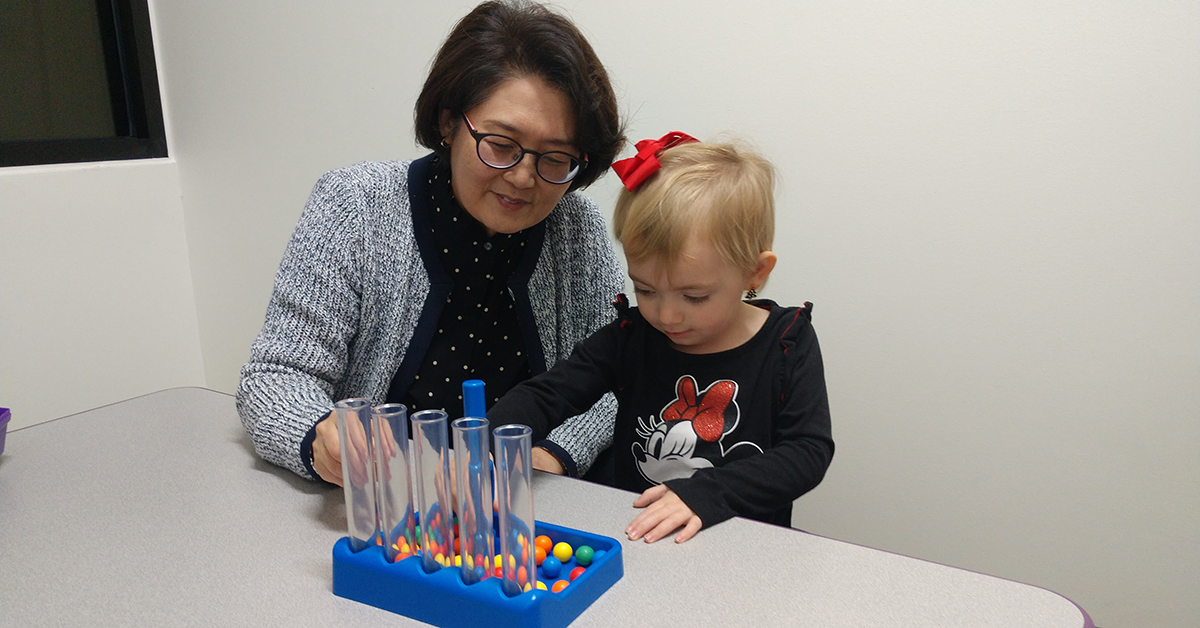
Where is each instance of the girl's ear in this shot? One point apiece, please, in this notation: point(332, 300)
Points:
point(766, 263)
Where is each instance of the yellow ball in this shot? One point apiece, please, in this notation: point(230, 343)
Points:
point(542, 585)
point(499, 561)
point(563, 552)
point(458, 561)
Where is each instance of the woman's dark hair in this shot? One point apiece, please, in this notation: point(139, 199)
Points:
point(499, 40)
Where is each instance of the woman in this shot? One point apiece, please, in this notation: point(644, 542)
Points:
point(403, 279)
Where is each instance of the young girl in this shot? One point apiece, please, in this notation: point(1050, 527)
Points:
point(722, 403)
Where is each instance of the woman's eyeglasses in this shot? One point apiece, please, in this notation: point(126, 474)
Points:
point(502, 152)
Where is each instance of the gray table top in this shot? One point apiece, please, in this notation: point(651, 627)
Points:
point(156, 512)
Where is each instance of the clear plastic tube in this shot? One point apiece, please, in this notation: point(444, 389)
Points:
point(393, 495)
point(515, 505)
point(476, 539)
point(358, 470)
point(432, 484)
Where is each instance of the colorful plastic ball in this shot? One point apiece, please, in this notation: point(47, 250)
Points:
point(551, 567)
point(584, 555)
point(498, 572)
point(481, 573)
point(499, 561)
point(522, 575)
point(596, 556)
point(563, 552)
point(576, 572)
point(559, 586)
point(544, 542)
point(541, 585)
point(539, 555)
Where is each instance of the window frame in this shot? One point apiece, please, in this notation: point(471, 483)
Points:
point(134, 92)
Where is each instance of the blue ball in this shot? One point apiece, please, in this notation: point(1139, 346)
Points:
point(551, 567)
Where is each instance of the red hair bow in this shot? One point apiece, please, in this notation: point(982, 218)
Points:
point(636, 169)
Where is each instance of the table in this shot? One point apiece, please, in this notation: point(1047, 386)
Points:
point(156, 512)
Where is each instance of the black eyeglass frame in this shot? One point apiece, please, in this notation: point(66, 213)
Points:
point(479, 137)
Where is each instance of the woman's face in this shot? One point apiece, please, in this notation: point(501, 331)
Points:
point(537, 116)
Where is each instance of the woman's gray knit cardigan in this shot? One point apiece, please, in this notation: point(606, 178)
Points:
point(352, 296)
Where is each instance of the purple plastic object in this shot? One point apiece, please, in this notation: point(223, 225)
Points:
point(5, 415)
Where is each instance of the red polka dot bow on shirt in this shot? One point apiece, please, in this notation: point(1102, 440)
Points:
point(636, 169)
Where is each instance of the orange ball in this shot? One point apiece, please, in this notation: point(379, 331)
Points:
point(544, 542)
point(539, 554)
point(522, 575)
point(559, 586)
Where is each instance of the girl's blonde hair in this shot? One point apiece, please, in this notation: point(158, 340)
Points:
point(722, 191)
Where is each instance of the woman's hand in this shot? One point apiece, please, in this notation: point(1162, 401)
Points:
point(664, 512)
point(326, 451)
point(545, 461)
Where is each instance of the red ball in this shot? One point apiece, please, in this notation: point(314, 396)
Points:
point(576, 572)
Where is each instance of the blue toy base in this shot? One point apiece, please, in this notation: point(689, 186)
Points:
point(441, 598)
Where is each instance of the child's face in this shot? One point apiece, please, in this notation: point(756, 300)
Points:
point(697, 301)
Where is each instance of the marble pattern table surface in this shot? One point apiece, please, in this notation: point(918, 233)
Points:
point(156, 512)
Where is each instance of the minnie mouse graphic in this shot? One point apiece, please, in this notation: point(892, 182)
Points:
point(689, 431)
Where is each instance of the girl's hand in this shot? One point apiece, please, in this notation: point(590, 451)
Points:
point(664, 512)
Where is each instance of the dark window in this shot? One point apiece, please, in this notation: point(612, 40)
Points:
point(77, 82)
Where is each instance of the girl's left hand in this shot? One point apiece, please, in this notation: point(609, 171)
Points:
point(664, 512)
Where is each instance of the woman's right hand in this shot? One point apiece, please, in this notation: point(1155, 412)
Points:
point(326, 451)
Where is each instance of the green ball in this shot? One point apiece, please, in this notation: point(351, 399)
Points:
point(583, 555)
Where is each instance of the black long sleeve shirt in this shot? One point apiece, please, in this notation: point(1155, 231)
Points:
point(742, 432)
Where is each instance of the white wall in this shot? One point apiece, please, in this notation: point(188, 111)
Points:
point(96, 301)
point(994, 207)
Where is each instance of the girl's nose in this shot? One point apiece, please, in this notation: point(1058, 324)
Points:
point(671, 314)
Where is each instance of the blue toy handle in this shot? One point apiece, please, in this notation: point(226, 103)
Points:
point(474, 401)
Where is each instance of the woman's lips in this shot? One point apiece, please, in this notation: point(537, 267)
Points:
point(508, 202)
